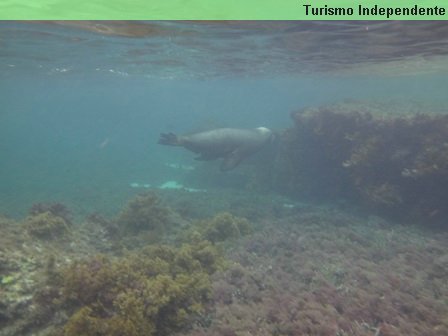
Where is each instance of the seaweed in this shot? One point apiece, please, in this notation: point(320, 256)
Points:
point(153, 292)
point(394, 165)
point(144, 212)
point(222, 227)
point(46, 225)
point(56, 209)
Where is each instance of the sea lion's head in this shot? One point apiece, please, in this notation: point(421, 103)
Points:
point(267, 133)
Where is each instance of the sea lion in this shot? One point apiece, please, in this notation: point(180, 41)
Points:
point(231, 144)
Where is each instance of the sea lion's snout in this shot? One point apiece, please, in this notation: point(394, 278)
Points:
point(267, 133)
point(264, 130)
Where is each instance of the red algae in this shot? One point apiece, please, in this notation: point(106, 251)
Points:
point(314, 278)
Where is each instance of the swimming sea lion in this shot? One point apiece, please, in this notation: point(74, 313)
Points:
point(231, 144)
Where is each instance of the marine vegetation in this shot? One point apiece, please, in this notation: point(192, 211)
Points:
point(46, 225)
point(144, 212)
point(319, 271)
point(56, 209)
point(254, 206)
point(155, 291)
point(394, 165)
point(326, 273)
point(223, 226)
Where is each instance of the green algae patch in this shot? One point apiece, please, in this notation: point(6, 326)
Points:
point(155, 291)
point(7, 280)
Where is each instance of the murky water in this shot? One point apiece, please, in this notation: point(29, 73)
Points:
point(83, 102)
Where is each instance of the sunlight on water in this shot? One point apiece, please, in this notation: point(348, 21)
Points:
point(210, 49)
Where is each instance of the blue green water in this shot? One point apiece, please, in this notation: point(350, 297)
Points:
point(81, 109)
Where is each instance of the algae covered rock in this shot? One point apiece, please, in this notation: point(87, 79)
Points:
point(155, 291)
point(224, 226)
point(46, 225)
point(144, 212)
point(396, 165)
point(56, 209)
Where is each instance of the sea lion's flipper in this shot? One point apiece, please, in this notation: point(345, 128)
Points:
point(232, 160)
point(169, 139)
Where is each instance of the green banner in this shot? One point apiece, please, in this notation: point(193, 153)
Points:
point(223, 10)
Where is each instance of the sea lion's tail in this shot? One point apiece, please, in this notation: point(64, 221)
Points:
point(169, 139)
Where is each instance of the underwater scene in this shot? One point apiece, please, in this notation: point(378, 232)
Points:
point(229, 178)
